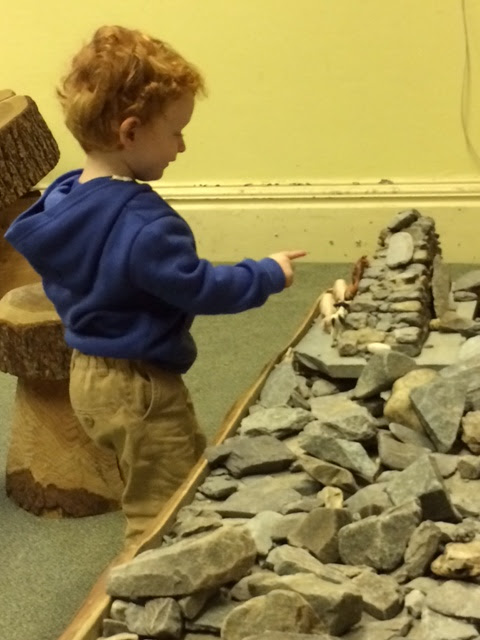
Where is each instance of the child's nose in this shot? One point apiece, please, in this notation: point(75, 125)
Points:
point(181, 146)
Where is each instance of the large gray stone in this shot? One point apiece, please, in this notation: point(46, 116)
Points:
point(381, 371)
point(400, 250)
point(213, 617)
point(341, 417)
point(380, 593)
point(319, 533)
point(369, 501)
point(185, 567)
point(421, 549)
point(422, 480)
point(350, 455)
point(410, 436)
point(441, 285)
point(464, 495)
point(440, 405)
point(379, 541)
point(252, 500)
point(263, 454)
point(328, 474)
point(299, 481)
point(279, 422)
point(287, 560)
point(159, 618)
point(261, 528)
point(395, 454)
point(279, 385)
point(338, 606)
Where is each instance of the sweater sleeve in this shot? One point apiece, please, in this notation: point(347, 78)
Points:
point(164, 263)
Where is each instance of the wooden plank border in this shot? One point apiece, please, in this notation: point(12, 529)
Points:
point(86, 625)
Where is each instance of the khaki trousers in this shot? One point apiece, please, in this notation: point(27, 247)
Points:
point(146, 416)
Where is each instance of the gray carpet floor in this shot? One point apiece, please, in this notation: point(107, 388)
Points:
point(47, 566)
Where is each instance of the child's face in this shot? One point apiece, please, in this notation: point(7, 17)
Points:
point(155, 144)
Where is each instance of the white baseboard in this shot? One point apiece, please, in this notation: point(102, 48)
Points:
point(334, 223)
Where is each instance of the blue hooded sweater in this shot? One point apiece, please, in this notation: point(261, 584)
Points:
point(121, 267)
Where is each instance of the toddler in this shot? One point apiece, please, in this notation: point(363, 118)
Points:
point(121, 268)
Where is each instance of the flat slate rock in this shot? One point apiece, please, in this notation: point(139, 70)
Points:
point(279, 386)
point(251, 501)
point(457, 599)
point(315, 350)
point(185, 567)
point(344, 453)
point(262, 454)
point(279, 422)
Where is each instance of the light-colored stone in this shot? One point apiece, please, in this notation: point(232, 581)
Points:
point(458, 561)
point(399, 408)
point(471, 431)
point(400, 250)
point(338, 606)
point(278, 610)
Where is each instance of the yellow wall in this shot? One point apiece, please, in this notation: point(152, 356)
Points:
point(301, 92)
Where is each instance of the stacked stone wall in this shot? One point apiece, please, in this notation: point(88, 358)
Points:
point(393, 304)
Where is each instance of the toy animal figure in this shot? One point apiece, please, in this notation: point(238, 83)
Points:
point(357, 272)
point(335, 301)
point(333, 308)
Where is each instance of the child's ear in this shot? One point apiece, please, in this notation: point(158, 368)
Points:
point(128, 131)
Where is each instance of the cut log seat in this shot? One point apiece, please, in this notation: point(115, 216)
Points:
point(28, 150)
point(53, 468)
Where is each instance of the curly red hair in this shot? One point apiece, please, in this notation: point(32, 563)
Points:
point(121, 73)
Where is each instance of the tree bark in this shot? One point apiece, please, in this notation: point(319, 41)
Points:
point(31, 336)
point(28, 150)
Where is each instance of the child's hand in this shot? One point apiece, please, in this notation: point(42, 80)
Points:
point(284, 259)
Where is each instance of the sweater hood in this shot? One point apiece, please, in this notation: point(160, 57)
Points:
point(70, 210)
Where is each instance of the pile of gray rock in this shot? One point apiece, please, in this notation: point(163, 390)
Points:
point(340, 509)
point(405, 286)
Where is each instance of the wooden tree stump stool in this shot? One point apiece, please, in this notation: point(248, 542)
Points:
point(53, 468)
point(28, 150)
